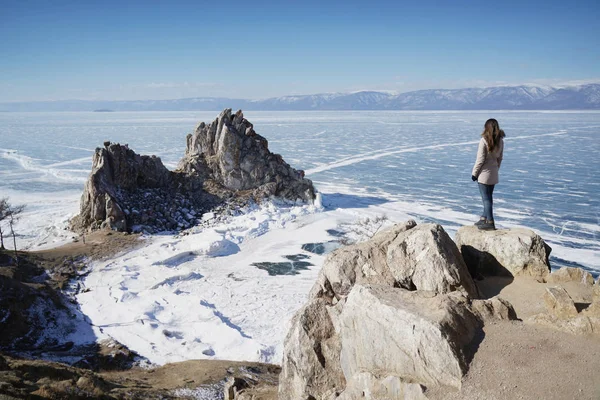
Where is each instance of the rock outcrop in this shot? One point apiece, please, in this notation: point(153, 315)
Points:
point(570, 274)
point(225, 162)
point(412, 257)
point(578, 314)
point(239, 159)
point(386, 318)
point(117, 174)
point(510, 252)
point(405, 333)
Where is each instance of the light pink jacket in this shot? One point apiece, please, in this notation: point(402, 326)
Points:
point(487, 164)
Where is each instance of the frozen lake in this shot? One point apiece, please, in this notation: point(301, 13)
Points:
point(399, 164)
point(549, 178)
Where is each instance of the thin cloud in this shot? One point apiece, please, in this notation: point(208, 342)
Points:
point(173, 85)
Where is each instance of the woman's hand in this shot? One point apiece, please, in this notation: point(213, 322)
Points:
point(473, 178)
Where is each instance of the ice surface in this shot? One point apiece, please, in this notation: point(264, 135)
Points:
point(204, 295)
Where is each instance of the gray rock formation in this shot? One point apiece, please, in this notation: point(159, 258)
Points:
point(240, 159)
point(226, 163)
point(511, 252)
point(116, 169)
point(385, 318)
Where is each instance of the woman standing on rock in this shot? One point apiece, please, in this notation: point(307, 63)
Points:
point(485, 171)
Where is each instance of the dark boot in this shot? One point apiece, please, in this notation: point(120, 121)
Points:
point(488, 225)
point(480, 222)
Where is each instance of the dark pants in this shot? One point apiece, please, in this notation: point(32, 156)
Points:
point(486, 195)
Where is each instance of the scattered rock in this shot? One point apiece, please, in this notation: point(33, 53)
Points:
point(559, 303)
point(190, 379)
point(495, 308)
point(581, 317)
point(578, 325)
point(110, 355)
point(233, 386)
point(571, 274)
point(27, 310)
point(511, 252)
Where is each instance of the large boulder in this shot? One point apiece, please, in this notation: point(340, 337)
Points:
point(385, 318)
point(225, 162)
point(413, 257)
point(510, 252)
point(405, 333)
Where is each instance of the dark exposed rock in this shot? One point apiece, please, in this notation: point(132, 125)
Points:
point(117, 172)
point(225, 162)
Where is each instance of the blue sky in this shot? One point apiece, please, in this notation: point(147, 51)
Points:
point(51, 50)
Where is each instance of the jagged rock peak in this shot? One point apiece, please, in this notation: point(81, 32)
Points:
point(115, 168)
point(240, 159)
point(226, 164)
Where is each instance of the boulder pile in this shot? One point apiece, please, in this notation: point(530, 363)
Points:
point(386, 319)
point(563, 312)
point(400, 317)
point(226, 162)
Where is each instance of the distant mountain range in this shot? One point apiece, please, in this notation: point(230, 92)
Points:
point(583, 97)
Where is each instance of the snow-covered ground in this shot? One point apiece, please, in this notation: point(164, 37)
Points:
point(201, 295)
point(213, 294)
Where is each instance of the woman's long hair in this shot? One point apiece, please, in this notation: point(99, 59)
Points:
point(492, 134)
